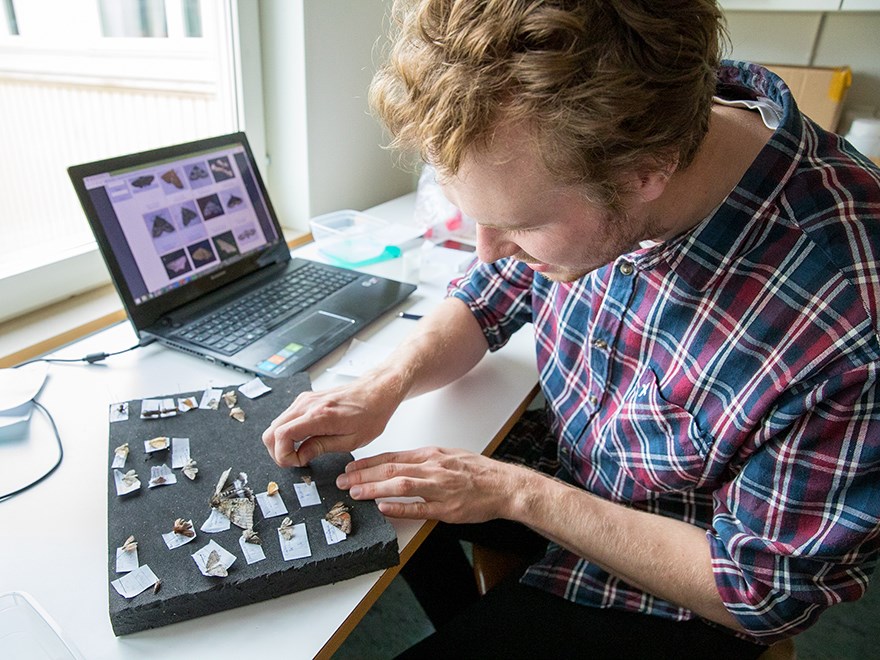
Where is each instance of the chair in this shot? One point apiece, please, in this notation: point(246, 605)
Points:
point(492, 566)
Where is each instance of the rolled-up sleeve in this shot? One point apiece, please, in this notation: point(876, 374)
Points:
point(499, 297)
point(797, 530)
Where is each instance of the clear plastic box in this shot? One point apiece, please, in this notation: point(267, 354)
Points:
point(28, 633)
point(349, 236)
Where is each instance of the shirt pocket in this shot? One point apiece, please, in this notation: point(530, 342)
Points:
point(656, 444)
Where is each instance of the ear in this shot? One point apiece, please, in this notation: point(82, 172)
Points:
point(649, 183)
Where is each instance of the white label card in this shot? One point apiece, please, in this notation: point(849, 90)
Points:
point(161, 475)
point(254, 388)
point(216, 522)
point(307, 494)
point(271, 505)
point(201, 556)
point(179, 452)
point(332, 533)
point(156, 408)
point(187, 404)
point(126, 561)
point(119, 412)
point(119, 457)
point(210, 399)
point(131, 584)
point(297, 547)
point(252, 552)
point(121, 487)
point(173, 540)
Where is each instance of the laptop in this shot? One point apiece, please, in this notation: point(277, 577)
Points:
point(198, 257)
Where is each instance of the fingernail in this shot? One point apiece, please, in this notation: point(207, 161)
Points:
point(355, 492)
point(342, 481)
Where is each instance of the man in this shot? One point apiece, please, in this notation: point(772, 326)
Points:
point(699, 261)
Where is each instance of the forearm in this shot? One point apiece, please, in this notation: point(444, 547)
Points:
point(661, 556)
point(446, 345)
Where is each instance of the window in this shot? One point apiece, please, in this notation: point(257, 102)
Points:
point(82, 80)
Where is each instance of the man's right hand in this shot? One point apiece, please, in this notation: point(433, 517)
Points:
point(340, 419)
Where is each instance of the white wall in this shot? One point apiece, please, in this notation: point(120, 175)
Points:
point(816, 39)
point(324, 148)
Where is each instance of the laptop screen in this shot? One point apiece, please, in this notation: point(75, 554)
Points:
point(174, 220)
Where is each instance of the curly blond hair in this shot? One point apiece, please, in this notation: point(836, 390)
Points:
point(601, 84)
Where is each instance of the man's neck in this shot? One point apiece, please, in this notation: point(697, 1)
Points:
point(734, 139)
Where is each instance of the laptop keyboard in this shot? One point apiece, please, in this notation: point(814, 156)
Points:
point(243, 322)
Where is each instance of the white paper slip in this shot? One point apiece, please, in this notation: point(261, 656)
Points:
point(131, 584)
point(123, 488)
point(159, 443)
point(210, 399)
point(307, 494)
point(332, 533)
point(126, 560)
point(271, 505)
point(297, 546)
point(119, 412)
point(179, 452)
point(201, 557)
point(119, 456)
point(253, 552)
point(174, 540)
point(161, 475)
point(254, 388)
point(360, 358)
point(216, 522)
point(186, 404)
point(156, 408)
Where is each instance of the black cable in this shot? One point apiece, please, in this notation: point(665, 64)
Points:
point(91, 358)
point(6, 496)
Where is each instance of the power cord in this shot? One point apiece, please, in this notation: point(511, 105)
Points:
point(90, 359)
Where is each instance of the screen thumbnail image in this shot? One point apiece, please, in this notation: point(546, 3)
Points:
point(221, 169)
point(226, 245)
point(201, 253)
point(197, 174)
point(210, 206)
point(176, 264)
point(161, 229)
point(171, 181)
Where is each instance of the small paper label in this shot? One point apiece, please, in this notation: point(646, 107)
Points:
point(297, 546)
point(131, 584)
point(161, 475)
point(158, 408)
point(186, 404)
point(253, 552)
point(254, 388)
point(332, 533)
point(271, 505)
point(119, 412)
point(126, 560)
point(216, 522)
point(179, 452)
point(174, 540)
point(210, 399)
point(121, 487)
point(307, 494)
point(201, 557)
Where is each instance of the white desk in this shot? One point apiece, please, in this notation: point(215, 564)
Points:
point(53, 539)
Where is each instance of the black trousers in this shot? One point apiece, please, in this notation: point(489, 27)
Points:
point(518, 621)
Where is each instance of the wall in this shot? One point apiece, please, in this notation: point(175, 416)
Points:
point(324, 148)
point(816, 39)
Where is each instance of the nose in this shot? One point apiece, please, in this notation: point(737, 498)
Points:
point(492, 244)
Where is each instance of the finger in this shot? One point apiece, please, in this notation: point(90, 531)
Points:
point(286, 458)
point(409, 456)
point(380, 472)
point(413, 510)
point(397, 487)
point(316, 445)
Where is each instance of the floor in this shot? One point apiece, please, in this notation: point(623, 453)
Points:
point(850, 631)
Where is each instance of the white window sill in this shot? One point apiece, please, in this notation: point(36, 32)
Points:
point(45, 329)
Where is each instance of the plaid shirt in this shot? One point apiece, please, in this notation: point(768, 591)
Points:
point(726, 378)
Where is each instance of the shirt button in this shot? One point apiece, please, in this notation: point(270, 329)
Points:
point(601, 344)
point(593, 399)
point(626, 268)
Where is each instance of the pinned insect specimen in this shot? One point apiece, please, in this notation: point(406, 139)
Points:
point(250, 536)
point(230, 399)
point(130, 545)
point(237, 413)
point(286, 528)
point(307, 480)
point(157, 586)
point(158, 443)
point(190, 469)
point(183, 527)
point(272, 489)
point(129, 478)
point(171, 177)
point(236, 502)
point(339, 516)
point(214, 567)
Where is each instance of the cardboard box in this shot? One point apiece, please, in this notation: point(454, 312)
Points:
point(818, 91)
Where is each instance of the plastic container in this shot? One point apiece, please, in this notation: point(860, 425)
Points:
point(349, 236)
point(28, 633)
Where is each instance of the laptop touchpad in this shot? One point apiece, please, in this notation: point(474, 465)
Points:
point(316, 327)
